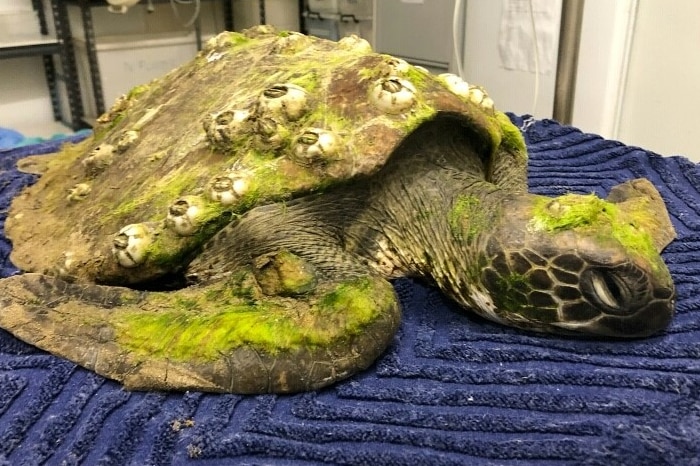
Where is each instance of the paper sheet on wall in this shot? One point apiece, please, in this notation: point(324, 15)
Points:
point(516, 43)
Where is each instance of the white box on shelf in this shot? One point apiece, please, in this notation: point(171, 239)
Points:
point(323, 28)
point(324, 6)
point(282, 14)
point(13, 6)
point(360, 9)
point(129, 60)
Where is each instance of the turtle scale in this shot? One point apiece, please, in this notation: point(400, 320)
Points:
point(284, 179)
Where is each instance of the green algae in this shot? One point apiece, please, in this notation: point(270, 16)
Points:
point(512, 138)
point(467, 218)
point(589, 213)
point(205, 325)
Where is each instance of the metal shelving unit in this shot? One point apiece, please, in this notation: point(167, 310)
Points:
point(89, 28)
point(48, 47)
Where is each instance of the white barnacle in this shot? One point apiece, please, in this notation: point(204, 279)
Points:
point(386, 262)
point(398, 65)
point(225, 126)
point(240, 186)
point(479, 96)
point(292, 42)
point(184, 215)
point(130, 245)
point(126, 140)
point(393, 95)
point(221, 189)
point(287, 100)
point(79, 192)
point(355, 43)
point(270, 133)
point(98, 160)
point(455, 84)
point(229, 188)
point(315, 145)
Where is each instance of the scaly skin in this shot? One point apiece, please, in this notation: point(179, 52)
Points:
point(430, 217)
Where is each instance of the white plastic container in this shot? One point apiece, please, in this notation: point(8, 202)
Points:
point(360, 9)
point(129, 60)
point(282, 14)
point(323, 28)
point(324, 6)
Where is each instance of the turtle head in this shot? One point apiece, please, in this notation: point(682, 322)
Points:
point(580, 264)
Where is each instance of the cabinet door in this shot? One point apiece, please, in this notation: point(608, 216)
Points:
point(418, 30)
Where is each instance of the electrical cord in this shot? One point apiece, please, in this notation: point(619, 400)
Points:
point(533, 26)
point(195, 15)
point(455, 43)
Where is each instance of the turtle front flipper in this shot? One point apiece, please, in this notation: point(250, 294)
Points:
point(227, 336)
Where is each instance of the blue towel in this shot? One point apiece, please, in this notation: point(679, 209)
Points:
point(452, 390)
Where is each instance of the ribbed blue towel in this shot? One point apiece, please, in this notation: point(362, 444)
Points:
point(453, 389)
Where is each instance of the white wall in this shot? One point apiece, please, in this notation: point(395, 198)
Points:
point(512, 90)
point(25, 104)
point(662, 96)
point(606, 39)
point(637, 78)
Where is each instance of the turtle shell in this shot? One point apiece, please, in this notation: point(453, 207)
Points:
point(256, 117)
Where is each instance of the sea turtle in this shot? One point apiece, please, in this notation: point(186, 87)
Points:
point(233, 225)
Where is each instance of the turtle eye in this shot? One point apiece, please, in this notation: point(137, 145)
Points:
point(606, 289)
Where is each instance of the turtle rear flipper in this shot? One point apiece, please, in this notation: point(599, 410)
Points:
point(225, 336)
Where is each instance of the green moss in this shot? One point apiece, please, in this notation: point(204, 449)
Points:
point(137, 91)
point(296, 275)
point(196, 328)
point(512, 137)
point(306, 79)
point(420, 113)
point(160, 193)
point(101, 132)
point(595, 216)
point(235, 39)
point(467, 218)
point(418, 78)
point(511, 294)
point(570, 211)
